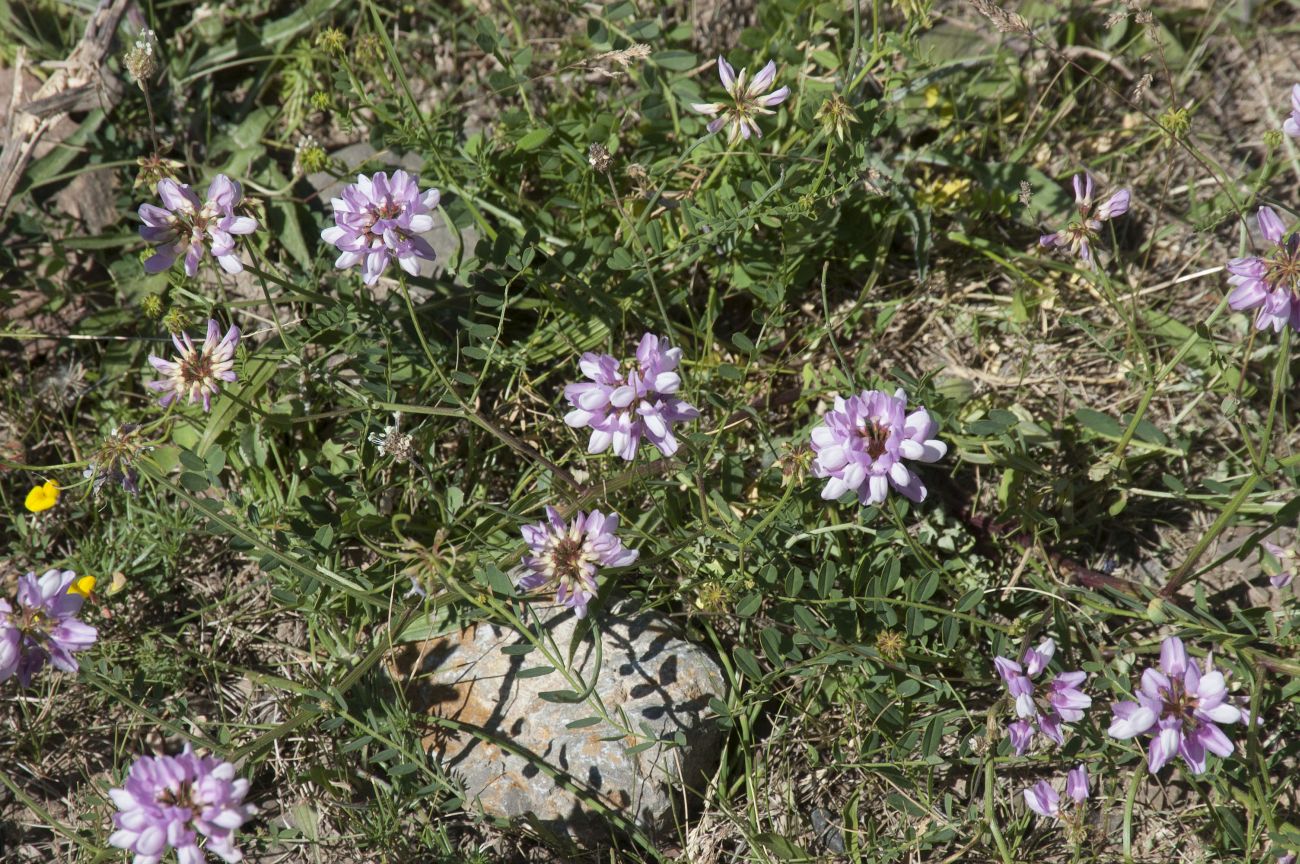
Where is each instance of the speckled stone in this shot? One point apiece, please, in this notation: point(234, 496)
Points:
point(647, 673)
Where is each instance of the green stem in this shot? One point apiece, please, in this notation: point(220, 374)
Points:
point(1128, 812)
point(990, 814)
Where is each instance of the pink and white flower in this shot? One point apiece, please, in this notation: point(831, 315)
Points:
point(1063, 702)
point(1181, 707)
point(567, 555)
point(172, 801)
point(747, 101)
point(1081, 234)
point(379, 218)
point(1270, 282)
point(622, 404)
point(197, 370)
point(185, 226)
point(865, 442)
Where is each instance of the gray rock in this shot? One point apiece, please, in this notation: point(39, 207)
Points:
point(527, 763)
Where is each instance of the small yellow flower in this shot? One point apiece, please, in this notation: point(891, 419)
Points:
point(83, 586)
point(43, 497)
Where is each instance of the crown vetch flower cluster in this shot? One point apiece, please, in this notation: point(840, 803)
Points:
point(1181, 706)
point(621, 404)
point(568, 554)
point(1044, 800)
point(168, 801)
point(43, 628)
point(1269, 282)
point(747, 100)
point(378, 218)
point(199, 369)
point(1080, 234)
point(1063, 702)
point(863, 442)
point(186, 226)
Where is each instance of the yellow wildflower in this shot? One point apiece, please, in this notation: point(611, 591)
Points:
point(42, 497)
point(83, 586)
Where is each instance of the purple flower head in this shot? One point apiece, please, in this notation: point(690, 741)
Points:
point(1270, 282)
point(1076, 784)
point(567, 555)
point(1060, 702)
point(198, 370)
point(1080, 234)
point(379, 218)
point(185, 226)
point(1181, 706)
point(863, 442)
point(747, 101)
point(1292, 124)
point(1022, 735)
point(1044, 800)
point(168, 801)
point(43, 628)
point(1286, 560)
point(621, 404)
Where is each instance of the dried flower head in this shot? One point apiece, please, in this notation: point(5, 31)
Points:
point(1026, 193)
point(169, 801)
point(1080, 235)
point(622, 58)
point(566, 555)
point(598, 157)
point(891, 644)
point(369, 49)
point(198, 369)
point(63, 385)
point(712, 597)
point(393, 443)
point(185, 226)
point(177, 320)
point(795, 463)
point(836, 115)
point(309, 157)
point(1144, 84)
point(43, 628)
point(377, 219)
point(1004, 21)
point(142, 58)
point(332, 40)
point(154, 168)
point(748, 100)
point(114, 461)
